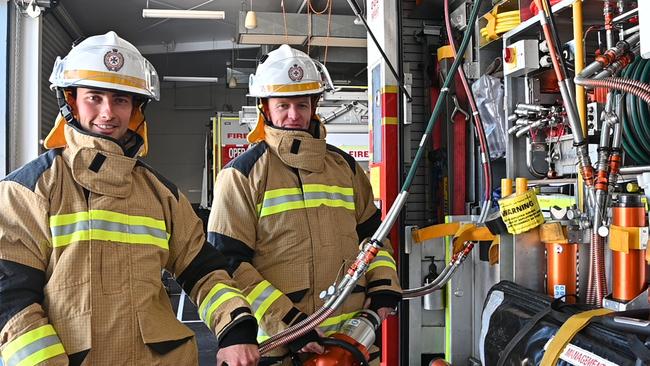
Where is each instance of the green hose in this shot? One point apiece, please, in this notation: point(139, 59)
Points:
point(635, 120)
point(639, 107)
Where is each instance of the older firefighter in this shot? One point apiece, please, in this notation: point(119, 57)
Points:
point(290, 212)
point(87, 228)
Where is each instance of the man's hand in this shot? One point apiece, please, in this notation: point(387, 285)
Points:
point(238, 355)
point(384, 313)
point(314, 347)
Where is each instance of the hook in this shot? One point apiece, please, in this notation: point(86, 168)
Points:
point(457, 109)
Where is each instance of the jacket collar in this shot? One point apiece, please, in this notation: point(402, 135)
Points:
point(298, 149)
point(99, 164)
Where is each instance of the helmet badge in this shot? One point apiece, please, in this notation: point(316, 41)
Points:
point(296, 73)
point(113, 60)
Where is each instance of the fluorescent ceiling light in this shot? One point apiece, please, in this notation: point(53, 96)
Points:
point(338, 42)
point(252, 38)
point(195, 79)
point(182, 14)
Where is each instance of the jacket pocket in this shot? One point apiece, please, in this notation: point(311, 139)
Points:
point(168, 342)
point(116, 267)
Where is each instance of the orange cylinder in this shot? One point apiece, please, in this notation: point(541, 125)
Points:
point(562, 270)
point(628, 269)
point(337, 356)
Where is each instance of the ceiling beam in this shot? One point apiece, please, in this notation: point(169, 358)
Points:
point(172, 47)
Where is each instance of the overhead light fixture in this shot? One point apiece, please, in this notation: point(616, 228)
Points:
point(194, 79)
point(183, 14)
point(251, 19)
point(338, 41)
point(232, 83)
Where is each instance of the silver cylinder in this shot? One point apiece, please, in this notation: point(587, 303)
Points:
point(362, 327)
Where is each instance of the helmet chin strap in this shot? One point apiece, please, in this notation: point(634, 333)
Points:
point(64, 107)
point(260, 107)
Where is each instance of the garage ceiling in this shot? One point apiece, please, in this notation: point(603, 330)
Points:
point(201, 47)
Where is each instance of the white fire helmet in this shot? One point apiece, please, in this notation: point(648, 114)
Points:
point(287, 72)
point(105, 62)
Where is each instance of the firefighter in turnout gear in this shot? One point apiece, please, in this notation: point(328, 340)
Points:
point(289, 214)
point(87, 228)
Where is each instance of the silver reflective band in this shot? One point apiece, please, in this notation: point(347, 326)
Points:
point(108, 226)
point(328, 195)
point(213, 299)
point(262, 297)
point(69, 229)
point(270, 202)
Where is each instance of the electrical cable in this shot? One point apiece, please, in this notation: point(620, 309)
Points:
point(485, 150)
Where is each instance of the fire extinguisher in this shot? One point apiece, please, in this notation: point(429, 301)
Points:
point(350, 346)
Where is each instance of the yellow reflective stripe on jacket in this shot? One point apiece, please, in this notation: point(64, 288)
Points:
point(107, 225)
point(33, 347)
point(219, 294)
point(261, 335)
point(332, 325)
point(261, 298)
point(311, 195)
point(383, 259)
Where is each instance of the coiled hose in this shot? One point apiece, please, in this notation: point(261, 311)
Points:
point(635, 116)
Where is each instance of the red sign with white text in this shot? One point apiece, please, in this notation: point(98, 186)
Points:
point(231, 151)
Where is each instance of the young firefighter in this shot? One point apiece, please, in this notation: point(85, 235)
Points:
point(290, 212)
point(87, 228)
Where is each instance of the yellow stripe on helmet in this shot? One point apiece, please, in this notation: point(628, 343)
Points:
point(106, 77)
point(290, 88)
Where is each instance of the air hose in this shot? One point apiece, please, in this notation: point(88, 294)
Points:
point(372, 246)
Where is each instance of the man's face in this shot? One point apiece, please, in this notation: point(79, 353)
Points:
point(104, 112)
point(293, 113)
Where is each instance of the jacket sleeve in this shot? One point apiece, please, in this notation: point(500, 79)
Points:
point(232, 230)
point(383, 283)
point(25, 332)
point(201, 271)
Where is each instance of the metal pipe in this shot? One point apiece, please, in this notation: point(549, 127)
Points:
point(532, 108)
point(629, 170)
point(529, 160)
point(382, 232)
point(630, 30)
point(608, 14)
point(625, 16)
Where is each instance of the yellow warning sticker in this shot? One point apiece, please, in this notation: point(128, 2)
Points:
point(520, 212)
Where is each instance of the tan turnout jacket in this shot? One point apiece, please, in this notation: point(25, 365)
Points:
point(85, 232)
point(289, 214)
